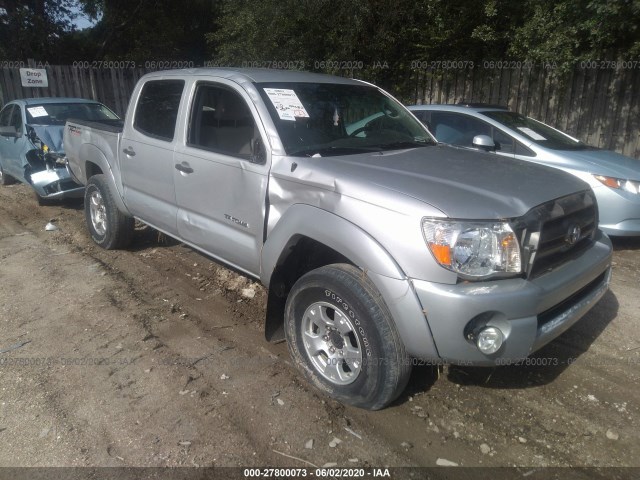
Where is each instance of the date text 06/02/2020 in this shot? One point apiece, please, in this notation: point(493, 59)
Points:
point(317, 472)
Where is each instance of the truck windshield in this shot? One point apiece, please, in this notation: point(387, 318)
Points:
point(538, 132)
point(324, 119)
point(58, 113)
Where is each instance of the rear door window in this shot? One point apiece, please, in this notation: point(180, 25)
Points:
point(157, 109)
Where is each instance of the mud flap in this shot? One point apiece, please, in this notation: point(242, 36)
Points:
point(274, 321)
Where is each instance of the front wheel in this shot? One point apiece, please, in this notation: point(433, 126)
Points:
point(108, 226)
point(342, 337)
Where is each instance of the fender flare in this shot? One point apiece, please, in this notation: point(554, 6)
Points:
point(331, 230)
point(89, 153)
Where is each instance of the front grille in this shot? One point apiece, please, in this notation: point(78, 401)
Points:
point(557, 231)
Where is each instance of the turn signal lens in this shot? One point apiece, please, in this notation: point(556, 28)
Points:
point(619, 183)
point(442, 253)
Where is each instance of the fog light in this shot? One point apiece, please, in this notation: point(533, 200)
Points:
point(489, 340)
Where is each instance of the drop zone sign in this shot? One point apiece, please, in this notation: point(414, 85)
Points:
point(34, 77)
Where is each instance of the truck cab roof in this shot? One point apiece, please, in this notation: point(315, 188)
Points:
point(257, 75)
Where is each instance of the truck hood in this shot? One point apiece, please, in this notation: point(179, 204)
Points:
point(460, 183)
point(51, 136)
point(600, 162)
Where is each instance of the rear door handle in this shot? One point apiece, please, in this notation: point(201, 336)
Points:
point(129, 151)
point(184, 167)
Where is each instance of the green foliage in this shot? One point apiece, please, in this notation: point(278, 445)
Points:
point(34, 29)
point(149, 30)
point(139, 30)
point(382, 38)
point(387, 39)
point(573, 30)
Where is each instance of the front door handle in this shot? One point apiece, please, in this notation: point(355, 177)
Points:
point(129, 151)
point(184, 167)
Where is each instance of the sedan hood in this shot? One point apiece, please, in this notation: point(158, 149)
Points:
point(602, 162)
point(51, 136)
point(460, 183)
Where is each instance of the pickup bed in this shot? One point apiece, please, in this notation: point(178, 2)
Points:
point(378, 245)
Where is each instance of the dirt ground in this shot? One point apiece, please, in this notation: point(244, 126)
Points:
point(155, 356)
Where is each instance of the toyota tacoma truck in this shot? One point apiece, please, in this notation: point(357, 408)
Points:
point(378, 246)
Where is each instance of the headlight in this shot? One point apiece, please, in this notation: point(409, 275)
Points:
point(473, 249)
point(619, 183)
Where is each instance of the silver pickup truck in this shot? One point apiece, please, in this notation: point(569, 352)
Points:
point(378, 246)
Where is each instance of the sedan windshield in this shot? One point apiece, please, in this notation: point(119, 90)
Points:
point(538, 132)
point(58, 113)
point(322, 119)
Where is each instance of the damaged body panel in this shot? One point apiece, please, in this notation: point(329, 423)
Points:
point(376, 243)
point(31, 142)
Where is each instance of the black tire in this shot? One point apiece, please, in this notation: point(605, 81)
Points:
point(344, 294)
point(5, 179)
point(112, 229)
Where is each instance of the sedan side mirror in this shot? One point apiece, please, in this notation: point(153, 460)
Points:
point(10, 131)
point(484, 142)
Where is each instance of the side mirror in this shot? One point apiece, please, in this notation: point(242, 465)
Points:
point(258, 153)
point(10, 131)
point(484, 142)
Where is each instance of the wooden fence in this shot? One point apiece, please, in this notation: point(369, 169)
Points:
point(111, 86)
point(599, 106)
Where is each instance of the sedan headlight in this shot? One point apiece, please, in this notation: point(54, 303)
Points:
point(473, 249)
point(619, 183)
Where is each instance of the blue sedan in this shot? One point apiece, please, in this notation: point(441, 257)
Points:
point(614, 178)
point(31, 149)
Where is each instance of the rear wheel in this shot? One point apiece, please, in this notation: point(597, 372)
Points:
point(108, 226)
point(343, 339)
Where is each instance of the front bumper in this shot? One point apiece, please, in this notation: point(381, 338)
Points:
point(530, 312)
point(619, 212)
point(55, 183)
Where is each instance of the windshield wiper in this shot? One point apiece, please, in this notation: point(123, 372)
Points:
point(405, 144)
point(333, 151)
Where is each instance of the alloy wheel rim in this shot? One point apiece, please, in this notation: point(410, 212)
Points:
point(331, 343)
point(98, 213)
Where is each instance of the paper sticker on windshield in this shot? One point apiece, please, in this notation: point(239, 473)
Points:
point(38, 112)
point(286, 103)
point(530, 133)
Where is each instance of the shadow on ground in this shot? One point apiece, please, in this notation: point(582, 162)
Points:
point(625, 243)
